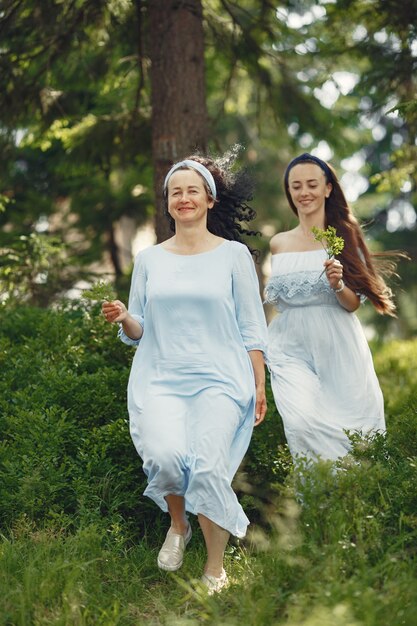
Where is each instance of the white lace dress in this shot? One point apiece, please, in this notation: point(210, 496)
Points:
point(322, 374)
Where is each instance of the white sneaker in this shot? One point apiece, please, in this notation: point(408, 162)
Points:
point(215, 584)
point(171, 554)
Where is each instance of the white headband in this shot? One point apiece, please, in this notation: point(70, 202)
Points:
point(201, 169)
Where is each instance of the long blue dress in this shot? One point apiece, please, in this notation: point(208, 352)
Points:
point(322, 373)
point(191, 391)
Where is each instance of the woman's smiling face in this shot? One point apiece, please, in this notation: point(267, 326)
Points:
point(308, 188)
point(187, 195)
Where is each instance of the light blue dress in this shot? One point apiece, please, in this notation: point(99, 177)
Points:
point(191, 391)
point(322, 373)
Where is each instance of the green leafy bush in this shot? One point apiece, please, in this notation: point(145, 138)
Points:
point(396, 365)
point(66, 448)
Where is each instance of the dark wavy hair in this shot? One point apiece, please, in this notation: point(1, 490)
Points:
point(364, 271)
point(231, 211)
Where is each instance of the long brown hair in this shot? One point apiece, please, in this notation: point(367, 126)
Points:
point(364, 271)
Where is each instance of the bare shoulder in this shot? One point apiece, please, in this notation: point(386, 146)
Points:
point(281, 242)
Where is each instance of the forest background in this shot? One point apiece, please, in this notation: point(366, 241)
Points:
point(97, 98)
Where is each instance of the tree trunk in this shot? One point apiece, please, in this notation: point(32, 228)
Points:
point(179, 113)
point(114, 251)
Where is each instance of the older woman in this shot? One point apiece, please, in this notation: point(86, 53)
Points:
point(197, 383)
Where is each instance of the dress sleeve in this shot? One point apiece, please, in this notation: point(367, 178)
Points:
point(248, 304)
point(137, 299)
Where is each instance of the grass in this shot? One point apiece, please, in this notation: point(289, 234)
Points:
point(334, 548)
point(83, 578)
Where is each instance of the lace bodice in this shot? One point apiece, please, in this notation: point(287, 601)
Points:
point(297, 280)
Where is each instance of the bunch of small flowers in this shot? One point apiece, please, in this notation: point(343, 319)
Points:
point(334, 244)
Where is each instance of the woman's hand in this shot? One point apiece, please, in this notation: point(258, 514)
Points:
point(258, 364)
point(114, 311)
point(347, 298)
point(334, 272)
point(260, 408)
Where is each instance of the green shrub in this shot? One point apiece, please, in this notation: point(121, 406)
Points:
point(66, 447)
point(396, 366)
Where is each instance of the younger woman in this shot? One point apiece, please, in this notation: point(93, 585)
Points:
point(322, 374)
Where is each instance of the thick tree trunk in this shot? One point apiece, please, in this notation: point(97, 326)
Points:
point(179, 113)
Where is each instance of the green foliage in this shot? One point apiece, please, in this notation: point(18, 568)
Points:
point(65, 448)
point(334, 244)
point(345, 552)
point(100, 291)
point(79, 542)
point(4, 201)
point(402, 172)
point(33, 268)
point(76, 140)
point(396, 364)
point(83, 152)
point(89, 577)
